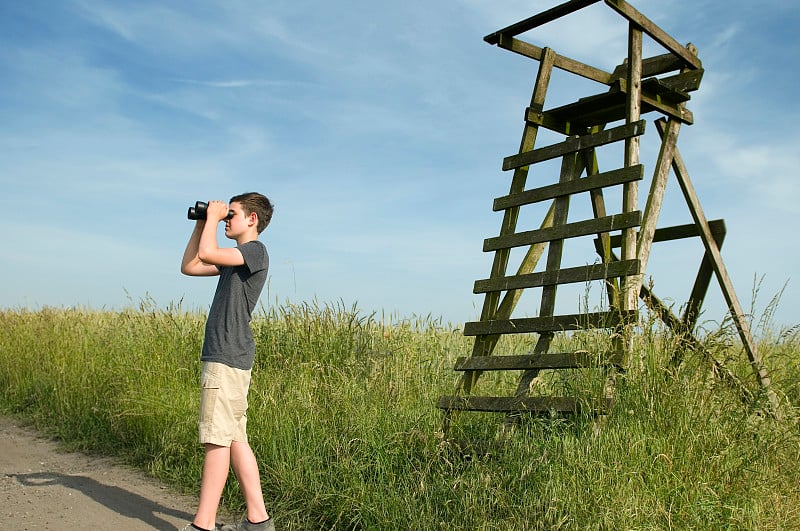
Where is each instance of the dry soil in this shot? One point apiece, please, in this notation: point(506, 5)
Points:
point(43, 487)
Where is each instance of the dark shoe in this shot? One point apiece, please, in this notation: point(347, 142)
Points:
point(246, 525)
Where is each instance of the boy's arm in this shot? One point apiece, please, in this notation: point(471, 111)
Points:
point(191, 264)
point(209, 252)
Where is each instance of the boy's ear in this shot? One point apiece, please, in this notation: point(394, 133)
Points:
point(253, 218)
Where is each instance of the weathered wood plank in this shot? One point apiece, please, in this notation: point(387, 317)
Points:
point(592, 182)
point(678, 232)
point(601, 109)
point(664, 92)
point(570, 275)
point(527, 404)
point(651, 66)
point(575, 144)
point(552, 323)
point(570, 230)
point(564, 63)
point(655, 32)
point(688, 81)
point(539, 19)
point(581, 359)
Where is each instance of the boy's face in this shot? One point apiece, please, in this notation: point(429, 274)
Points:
point(237, 225)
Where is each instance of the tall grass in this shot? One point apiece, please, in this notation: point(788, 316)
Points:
point(343, 421)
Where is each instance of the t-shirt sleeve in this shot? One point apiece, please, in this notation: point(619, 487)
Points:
point(255, 256)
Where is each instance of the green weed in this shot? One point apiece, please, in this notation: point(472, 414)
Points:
point(343, 421)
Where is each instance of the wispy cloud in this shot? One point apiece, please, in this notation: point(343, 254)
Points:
point(242, 83)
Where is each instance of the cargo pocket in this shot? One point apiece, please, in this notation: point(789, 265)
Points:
point(209, 392)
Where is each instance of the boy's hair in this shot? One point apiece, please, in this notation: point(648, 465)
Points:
point(258, 203)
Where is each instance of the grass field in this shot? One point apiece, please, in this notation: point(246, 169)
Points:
point(344, 423)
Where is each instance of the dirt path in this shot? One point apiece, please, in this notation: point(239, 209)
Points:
point(42, 487)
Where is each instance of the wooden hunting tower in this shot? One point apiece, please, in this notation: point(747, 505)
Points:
point(657, 86)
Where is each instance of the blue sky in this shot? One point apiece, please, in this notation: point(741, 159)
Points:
point(378, 130)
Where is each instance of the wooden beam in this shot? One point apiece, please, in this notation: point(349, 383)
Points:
point(651, 66)
point(655, 198)
point(656, 33)
point(703, 279)
point(539, 19)
point(564, 63)
point(679, 232)
point(688, 81)
point(630, 192)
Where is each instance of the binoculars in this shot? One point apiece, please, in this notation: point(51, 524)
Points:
point(198, 211)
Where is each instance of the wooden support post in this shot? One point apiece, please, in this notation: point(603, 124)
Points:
point(721, 272)
point(630, 190)
point(656, 196)
point(658, 34)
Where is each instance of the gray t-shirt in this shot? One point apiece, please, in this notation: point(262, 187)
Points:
point(228, 338)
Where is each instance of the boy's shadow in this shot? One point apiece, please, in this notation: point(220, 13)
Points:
point(117, 499)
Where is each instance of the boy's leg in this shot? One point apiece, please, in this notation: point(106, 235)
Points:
point(245, 467)
point(215, 473)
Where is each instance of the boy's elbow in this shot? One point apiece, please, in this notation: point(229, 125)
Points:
point(187, 267)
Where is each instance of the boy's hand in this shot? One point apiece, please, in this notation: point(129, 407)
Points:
point(217, 211)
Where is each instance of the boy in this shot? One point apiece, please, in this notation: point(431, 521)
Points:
point(228, 352)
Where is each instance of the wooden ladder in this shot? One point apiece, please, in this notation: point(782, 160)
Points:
point(633, 89)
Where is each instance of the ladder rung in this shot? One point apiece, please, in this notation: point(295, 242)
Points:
point(602, 271)
point(574, 144)
point(527, 404)
point(580, 359)
point(574, 186)
point(560, 232)
point(554, 323)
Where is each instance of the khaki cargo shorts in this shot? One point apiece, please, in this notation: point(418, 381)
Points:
point(223, 404)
